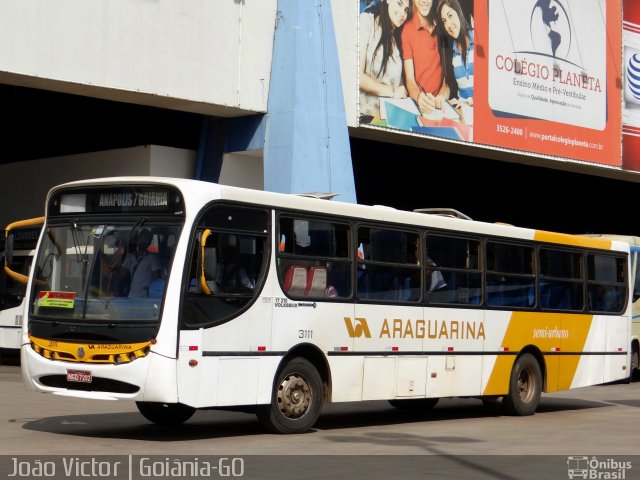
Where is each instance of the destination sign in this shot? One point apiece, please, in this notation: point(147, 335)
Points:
point(127, 199)
point(25, 238)
point(134, 199)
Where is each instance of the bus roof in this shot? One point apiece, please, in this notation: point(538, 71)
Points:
point(200, 192)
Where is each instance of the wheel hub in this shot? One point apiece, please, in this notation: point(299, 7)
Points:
point(525, 380)
point(294, 396)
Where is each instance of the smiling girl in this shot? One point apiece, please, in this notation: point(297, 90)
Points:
point(380, 60)
point(457, 62)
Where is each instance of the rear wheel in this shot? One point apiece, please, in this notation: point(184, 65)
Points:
point(635, 360)
point(414, 404)
point(525, 387)
point(297, 399)
point(165, 413)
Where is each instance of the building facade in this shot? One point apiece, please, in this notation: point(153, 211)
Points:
point(278, 90)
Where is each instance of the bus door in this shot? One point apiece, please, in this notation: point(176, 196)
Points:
point(225, 335)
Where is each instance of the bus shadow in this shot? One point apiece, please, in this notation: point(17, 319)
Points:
point(132, 426)
point(11, 359)
point(447, 409)
point(221, 424)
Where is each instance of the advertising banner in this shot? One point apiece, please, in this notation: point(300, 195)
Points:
point(537, 76)
point(631, 97)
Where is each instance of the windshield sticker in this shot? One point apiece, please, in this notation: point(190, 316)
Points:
point(56, 299)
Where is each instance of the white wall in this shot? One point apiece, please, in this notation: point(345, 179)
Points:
point(243, 169)
point(202, 56)
point(24, 185)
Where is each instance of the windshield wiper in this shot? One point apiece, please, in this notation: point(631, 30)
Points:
point(141, 221)
point(80, 256)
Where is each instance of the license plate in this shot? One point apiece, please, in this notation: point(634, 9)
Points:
point(80, 376)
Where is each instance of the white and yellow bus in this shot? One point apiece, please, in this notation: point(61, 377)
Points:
point(278, 303)
point(18, 248)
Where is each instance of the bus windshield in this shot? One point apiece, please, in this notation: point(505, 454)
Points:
point(103, 272)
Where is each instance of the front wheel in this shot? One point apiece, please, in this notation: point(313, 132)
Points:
point(297, 399)
point(165, 413)
point(525, 387)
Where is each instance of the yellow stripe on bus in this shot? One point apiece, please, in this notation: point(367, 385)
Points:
point(574, 240)
point(552, 333)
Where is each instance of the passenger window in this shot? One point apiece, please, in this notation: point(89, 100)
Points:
point(561, 280)
point(510, 280)
point(606, 286)
point(636, 280)
point(313, 258)
point(227, 264)
point(388, 265)
point(451, 270)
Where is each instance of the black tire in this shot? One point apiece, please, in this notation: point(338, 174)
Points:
point(525, 387)
point(296, 401)
point(165, 413)
point(414, 404)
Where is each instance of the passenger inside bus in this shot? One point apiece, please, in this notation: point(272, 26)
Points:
point(143, 266)
point(435, 279)
point(116, 280)
point(232, 276)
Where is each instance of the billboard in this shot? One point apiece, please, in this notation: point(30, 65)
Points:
point(537, 76)
point(631, 95)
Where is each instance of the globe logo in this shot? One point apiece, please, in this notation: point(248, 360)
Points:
point(550, 28)
point(633, 75)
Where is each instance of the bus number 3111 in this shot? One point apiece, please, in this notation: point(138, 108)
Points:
point(305, 333)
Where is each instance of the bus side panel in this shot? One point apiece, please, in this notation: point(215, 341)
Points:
point(583, 334)
point(411, 377)
point(230, 381)
point(229, 364)
point(160, 384)
point(497, 363)
point(10, 327)
point(454, 340)
point(559, 337)
point(618, 333)
point(346, 378)
point(188, 376)
point(326, 325)
point(378, 379)
point(380, 332)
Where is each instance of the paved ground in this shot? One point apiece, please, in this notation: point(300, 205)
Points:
point(600, 421)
